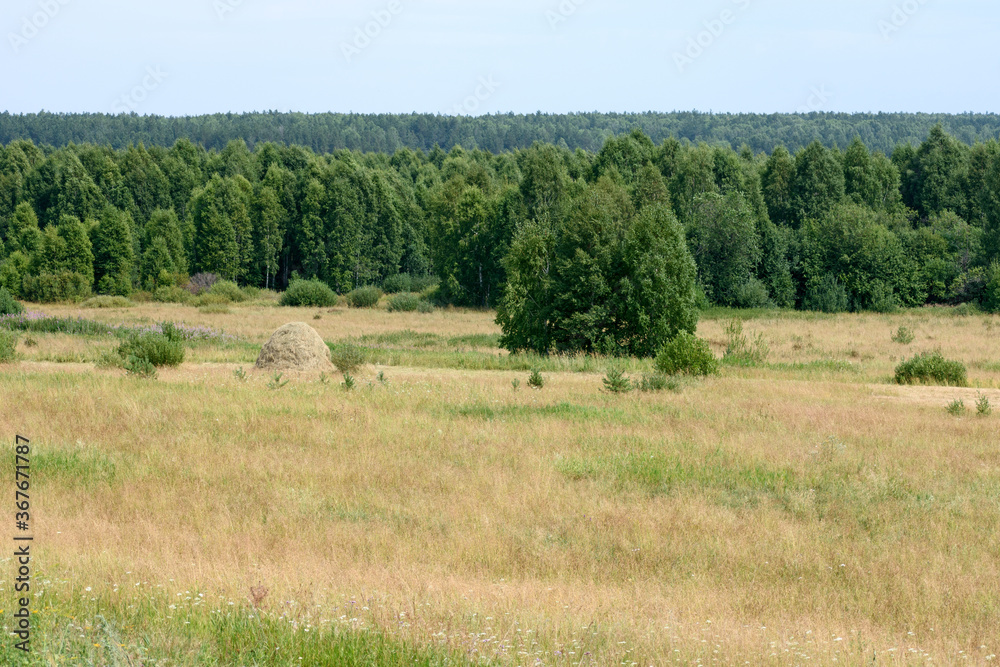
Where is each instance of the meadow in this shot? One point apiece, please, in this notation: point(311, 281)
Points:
point(802, 509)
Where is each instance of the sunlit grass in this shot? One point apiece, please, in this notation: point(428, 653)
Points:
point(805, 507)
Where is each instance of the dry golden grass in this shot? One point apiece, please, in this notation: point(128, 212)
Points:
point(765, 517)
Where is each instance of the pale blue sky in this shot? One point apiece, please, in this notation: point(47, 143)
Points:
point(201, 56)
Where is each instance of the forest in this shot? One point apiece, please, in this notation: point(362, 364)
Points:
point(817, 228)
point(497, 133)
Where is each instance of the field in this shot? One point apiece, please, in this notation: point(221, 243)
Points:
point(800, 510)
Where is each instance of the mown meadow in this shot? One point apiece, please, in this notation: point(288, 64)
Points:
point(799, 507)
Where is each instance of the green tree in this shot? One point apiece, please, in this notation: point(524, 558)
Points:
point(726, 246)
point(164, 223)
point(23, 233)
point(270, 221)
point(819, 183)
point(114, 257)
point(79, 250)
point(851, 244)
point(157, 266)
point(605, 280)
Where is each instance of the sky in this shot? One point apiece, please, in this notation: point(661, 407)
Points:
point(473, 57)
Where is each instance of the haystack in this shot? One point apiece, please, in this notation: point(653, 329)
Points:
point(295, 347)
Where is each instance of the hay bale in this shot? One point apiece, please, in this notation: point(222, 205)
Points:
point(295, 347)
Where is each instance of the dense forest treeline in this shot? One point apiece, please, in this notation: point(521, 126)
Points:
point(819, 228)
point(387, 133)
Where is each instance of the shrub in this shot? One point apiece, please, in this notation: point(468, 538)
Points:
point(686, 354)
point(931, 369)
point(155, 348)
point(171, 332)
point(752, 294)
point(983, 407)
point(141, 368)
point(401, 282)
point(425, 307)
point(8, 346)
point(827, 296)
point(903, 336)
point(309, 293)
point(404, 303)
point(349, 382)
point(956, 407)
point(52, 287)
point(966, 310)
point(107, 302)
point(616, 382)
point(659, 382)
point(742, 350)
point(209, 299)
point(171, 294)
point(535, 380)
point(228, 290)
point(8, 304)
point(364, 297)
point(882, 299)
point(201, 282)
point(348, 358)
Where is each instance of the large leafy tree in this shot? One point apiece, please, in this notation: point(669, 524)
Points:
point(114, 255)
point(726, 245)
point(851, 244)
point(223, 229)
point(604, 280)
point(819, 183)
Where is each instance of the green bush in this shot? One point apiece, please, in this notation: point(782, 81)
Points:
point(228, 290)
point(8, 304)
point(956, 407)
point(401, 282)
point(348, 358)
point(404, 303)
point(52, 287)
point(744, 350)
point(107, 302)
point(686, 354)
point(983, 407)
point(141, 368)
point(659, 382)
point(903, 336)
point(827, 296)
point(535, 380)
point(616, 382)
point(364, 297)
point(207, 299)
point(932, 368)
point(8, 346)
point(309, 293)
point(752, 294)
point(155, 348)
point(171, 294)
